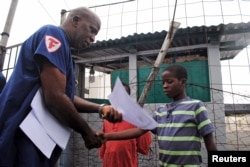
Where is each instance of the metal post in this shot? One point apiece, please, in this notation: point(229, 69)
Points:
point(166, 44)
point(5, 34)
point(63, 15)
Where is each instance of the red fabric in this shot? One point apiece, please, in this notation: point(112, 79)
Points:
point(123, 153)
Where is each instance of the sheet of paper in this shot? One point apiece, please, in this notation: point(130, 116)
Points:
point(59, 133)
point(43, 128)
point(30, 126)
point(131, 111)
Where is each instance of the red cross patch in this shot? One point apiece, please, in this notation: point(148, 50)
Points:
point(52, 43)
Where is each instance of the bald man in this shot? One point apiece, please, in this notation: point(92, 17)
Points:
point(45, 62)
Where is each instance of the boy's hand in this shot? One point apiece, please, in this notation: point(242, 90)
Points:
point(102, 136)
point(92, 140)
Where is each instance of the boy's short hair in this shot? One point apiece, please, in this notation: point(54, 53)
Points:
point(179, 71)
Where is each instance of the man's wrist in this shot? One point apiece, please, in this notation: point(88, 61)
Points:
point(100, 110)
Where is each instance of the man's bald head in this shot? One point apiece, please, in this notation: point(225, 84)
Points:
point(81, 27)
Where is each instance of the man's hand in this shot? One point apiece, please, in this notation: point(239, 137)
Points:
point(93, 141)
point(111, 114)
point(102, 136)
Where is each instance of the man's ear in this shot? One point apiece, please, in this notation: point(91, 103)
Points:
point(75, 20)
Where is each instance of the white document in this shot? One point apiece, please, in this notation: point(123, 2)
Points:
point(30, 126)
point(131, 111)
point(58, 132)
point(41, 120)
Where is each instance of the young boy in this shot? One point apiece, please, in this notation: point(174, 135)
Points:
point(181, 124)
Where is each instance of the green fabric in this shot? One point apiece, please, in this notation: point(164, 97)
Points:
point(98, 101)
point(197, 87)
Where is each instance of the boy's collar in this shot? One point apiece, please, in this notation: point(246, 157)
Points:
point(178, 101)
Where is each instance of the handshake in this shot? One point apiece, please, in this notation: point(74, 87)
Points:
point(97, 142)
point(96, 139)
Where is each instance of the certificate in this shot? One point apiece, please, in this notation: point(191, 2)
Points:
point(131, 111)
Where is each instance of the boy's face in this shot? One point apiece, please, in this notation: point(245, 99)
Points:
point(172, 86)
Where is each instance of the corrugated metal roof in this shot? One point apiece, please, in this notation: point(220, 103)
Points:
point(112, 54)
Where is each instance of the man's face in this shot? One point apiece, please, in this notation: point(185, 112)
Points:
point(87, 29)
